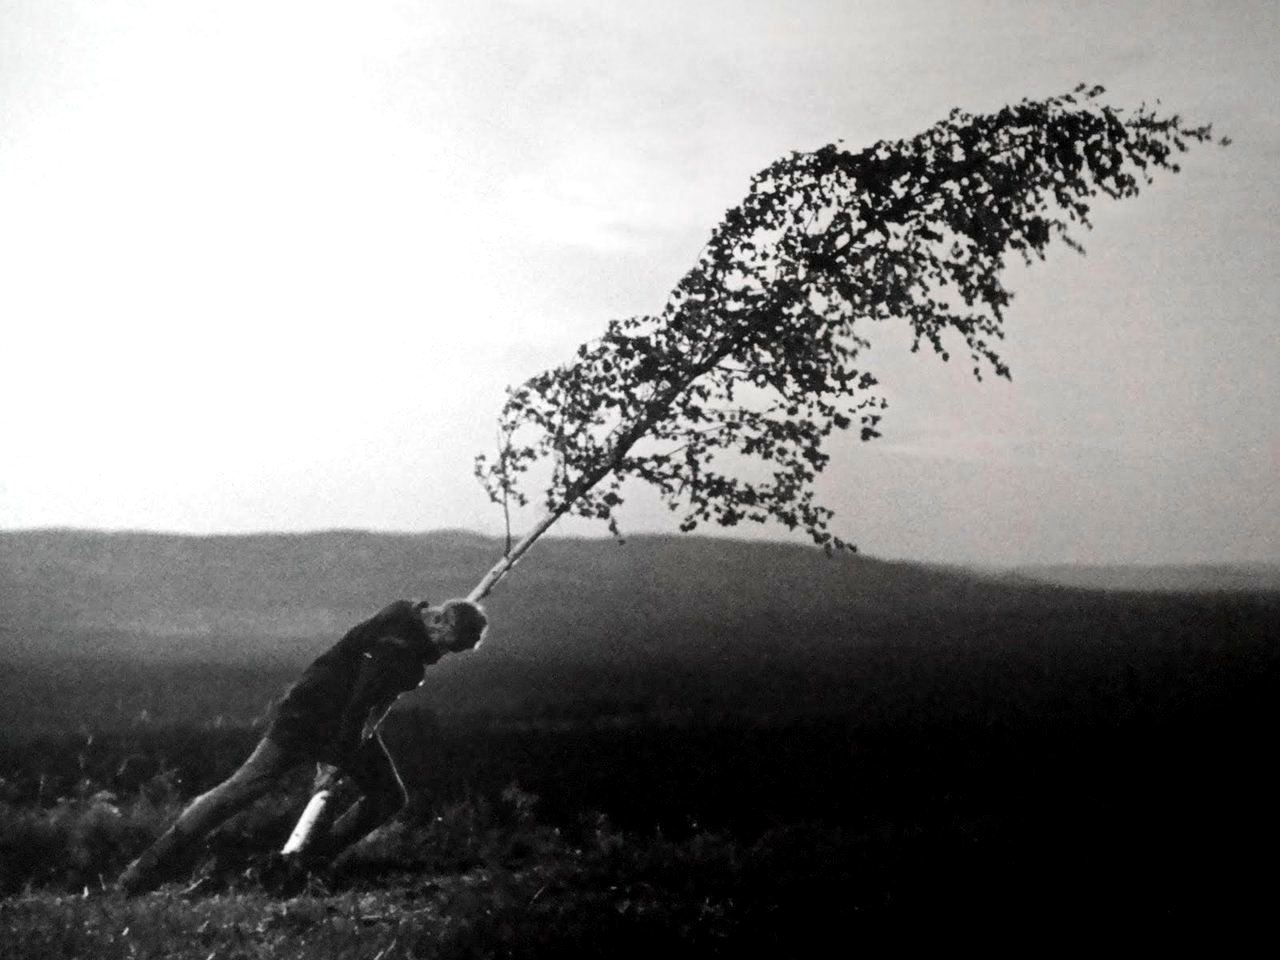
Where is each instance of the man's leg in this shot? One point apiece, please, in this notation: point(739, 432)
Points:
point(383, 795)
point(172, 853)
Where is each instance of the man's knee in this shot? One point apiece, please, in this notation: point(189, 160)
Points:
point(247, 782)
point(251, 780)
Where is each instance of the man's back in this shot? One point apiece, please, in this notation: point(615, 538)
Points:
point(393, 642)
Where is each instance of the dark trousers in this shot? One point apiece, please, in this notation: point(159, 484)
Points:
point(370, 766)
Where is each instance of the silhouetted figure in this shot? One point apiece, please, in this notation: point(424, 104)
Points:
point(328, 717)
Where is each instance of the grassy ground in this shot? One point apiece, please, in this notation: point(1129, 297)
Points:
point(526, 891)
point(482, 879)
point(1155, 823)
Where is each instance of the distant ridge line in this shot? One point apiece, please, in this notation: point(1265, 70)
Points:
point(1158, 577)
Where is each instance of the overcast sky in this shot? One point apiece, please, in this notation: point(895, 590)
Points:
point(269, 265)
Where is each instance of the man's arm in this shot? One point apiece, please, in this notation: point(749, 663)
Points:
point(384, 675)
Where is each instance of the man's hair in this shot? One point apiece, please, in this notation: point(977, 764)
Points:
point(466, 619)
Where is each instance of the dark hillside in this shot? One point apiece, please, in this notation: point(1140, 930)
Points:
point(194, 627)
point(245, 598)
point(237, 599)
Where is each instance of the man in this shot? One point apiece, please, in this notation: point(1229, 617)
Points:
point(329, 717)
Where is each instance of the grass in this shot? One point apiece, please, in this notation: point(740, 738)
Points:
point(482, 878)
point(756, 839)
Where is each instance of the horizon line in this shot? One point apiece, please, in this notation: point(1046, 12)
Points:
point(977, 565)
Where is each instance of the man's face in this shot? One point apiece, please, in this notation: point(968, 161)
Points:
point(440, 629)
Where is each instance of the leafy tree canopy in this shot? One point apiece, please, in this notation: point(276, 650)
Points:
point(758, 351)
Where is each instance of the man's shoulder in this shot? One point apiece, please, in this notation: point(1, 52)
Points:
point(401, 622)
point(398, 610)
point(399, 616)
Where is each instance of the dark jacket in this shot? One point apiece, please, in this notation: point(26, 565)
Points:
point(325, 711)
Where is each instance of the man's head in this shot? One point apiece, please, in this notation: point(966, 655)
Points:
point(455, 625)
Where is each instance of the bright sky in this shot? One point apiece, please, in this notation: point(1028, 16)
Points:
point(269, 265)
